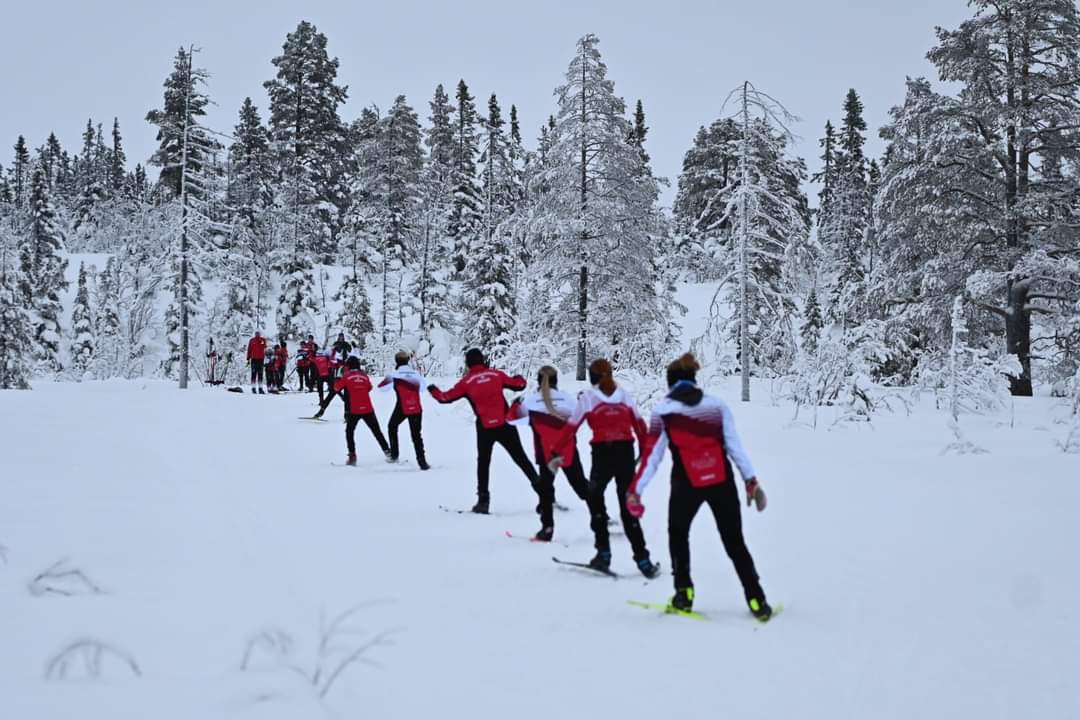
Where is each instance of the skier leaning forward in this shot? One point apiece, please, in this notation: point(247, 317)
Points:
point(701, 432)
point(615, 420)
point(355, 389)
point(483, 386)
point(546, 411)
point(406, 383)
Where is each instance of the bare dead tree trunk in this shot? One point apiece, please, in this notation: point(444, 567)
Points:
point(744, 180)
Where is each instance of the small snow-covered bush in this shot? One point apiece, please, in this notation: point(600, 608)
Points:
point(966, 379)
point(90, 659)
point(61, 578)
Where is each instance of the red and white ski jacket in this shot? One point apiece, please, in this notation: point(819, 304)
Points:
point(322, 365)
point(355, 386)
point(308, 350)
point(483, 387)
point(256, 349)
point(406, 383)
point(547, 428)
point(613, 418)
point(281, 358)
point(700, 429)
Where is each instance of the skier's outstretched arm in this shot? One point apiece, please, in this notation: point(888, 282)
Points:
point(448, 396)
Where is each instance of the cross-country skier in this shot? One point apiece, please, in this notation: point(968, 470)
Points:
point(546, 411)
point(614, 419)
point(339, 353)
point(281, 361)
point(256, 357)
point(406, 383)
point(304, 357)
point(483, 386)
point(322, 371)
point(355, 389)
point(700, 430)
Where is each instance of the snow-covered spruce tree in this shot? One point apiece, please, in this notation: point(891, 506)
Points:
point(465, 220)
point(83, 342)
point(812, 323)
point(254, 238)
point(15, 327)
point(399, 170)
point(108, 355)
point(594, 209)
point(1017, 63)
point(309, 140)
point(702, 226)
point(190, 177)
point(20, 174)
point(766, 221)
point(42, 274)
point(429, 293)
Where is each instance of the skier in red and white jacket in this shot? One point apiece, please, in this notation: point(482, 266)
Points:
point(256, 357)
point(700, 430)
point(483, 387)
point(354, 386)
point(406, 383)
point(615, 421)
point(546, 412)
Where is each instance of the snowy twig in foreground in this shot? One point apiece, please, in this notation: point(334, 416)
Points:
point(961, 445)
point(3, 554)
point(1070, 445)
point(62, 579)
point(90, 656)
point(335, 652)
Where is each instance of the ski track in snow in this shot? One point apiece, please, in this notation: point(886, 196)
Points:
point(915, 584)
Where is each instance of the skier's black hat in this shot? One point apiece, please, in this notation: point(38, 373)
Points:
point(353, 363)
point(474, 357)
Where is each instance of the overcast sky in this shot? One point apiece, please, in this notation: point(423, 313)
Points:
point(62, 62)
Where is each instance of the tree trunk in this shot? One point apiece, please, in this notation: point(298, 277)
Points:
point(184, 349)
point(744, 319)
point(1018, 337)
point(583, 317)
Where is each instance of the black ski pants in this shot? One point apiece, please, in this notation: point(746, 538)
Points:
point(415, 423)
point(257, 372)
point(614, 461)
point(508, 437)
point(575, 475)
point(323, 385)
point(723, 500)
point(302, 375)
point(351, 421)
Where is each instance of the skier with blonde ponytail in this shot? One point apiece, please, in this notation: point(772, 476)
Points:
point(615, 421)
point(546, 411)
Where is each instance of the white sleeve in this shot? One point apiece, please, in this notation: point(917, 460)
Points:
point(655, 455)
point(733, 444)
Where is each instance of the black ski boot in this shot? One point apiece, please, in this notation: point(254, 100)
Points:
point(422, 464)
point(760, 609)
point(481, 506)
point(253, 391)
point(351, 461)
point(261, 391)
point(683, 599)
point(601, 561)
point(545, 534)
point(648, 568)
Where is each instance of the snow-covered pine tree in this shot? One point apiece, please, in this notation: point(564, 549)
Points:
point(83, 342)
point(42, 274)
point(20, 174)
point(827, 175)
point(812, 323)
point(765, 225)
point(15, 334)
point(595, 209)
point(701, 222)
point(1017, 63)
point(108, 355)
point(400, 167)
point(465, 220)
point(489, 276)
point(189, 176)
point(430, 291)
point(309, 139)
point(117, 161)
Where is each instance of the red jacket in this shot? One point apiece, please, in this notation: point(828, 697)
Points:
point(613, 418)
point(355, 385)
point(322, 365)
point(281, 357)
point(483, 387)
point(256, 348)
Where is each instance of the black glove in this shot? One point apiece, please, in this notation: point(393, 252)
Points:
point(432, 388)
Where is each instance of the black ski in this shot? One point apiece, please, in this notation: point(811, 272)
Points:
point(586, 566)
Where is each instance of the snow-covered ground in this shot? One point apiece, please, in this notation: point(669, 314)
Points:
point(916, 585)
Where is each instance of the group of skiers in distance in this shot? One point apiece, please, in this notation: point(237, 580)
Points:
point(698, 428)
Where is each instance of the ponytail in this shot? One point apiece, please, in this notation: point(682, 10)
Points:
point(600, 374)
point(549, 378)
